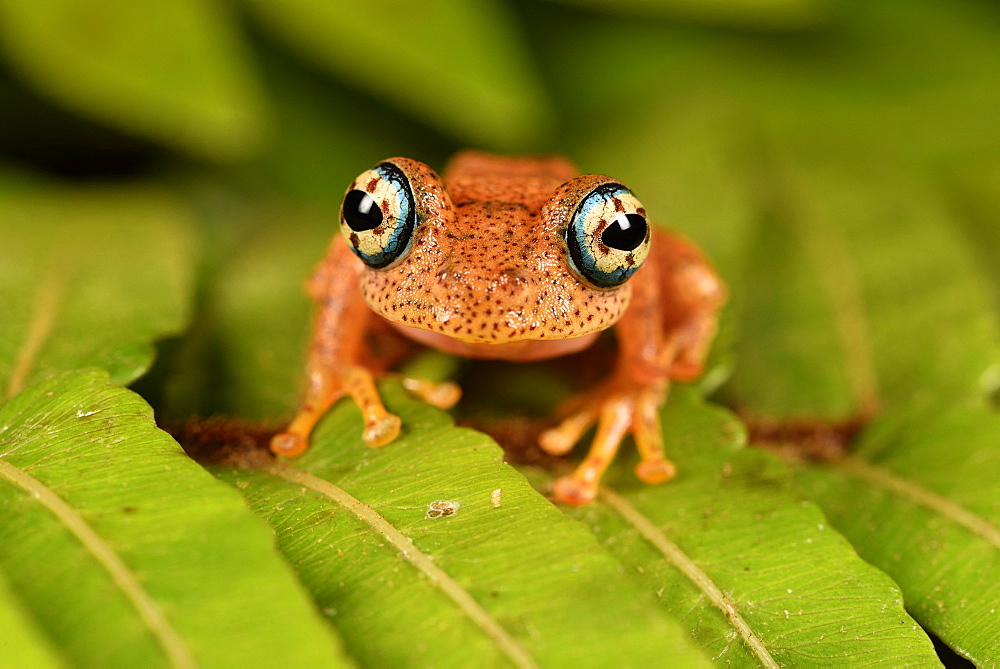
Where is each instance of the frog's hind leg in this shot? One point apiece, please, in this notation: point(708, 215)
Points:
point(691, 297)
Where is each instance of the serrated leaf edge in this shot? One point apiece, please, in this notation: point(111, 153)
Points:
point(507, 644)
point(176, 650)
point(675, 556)
point(917, 494)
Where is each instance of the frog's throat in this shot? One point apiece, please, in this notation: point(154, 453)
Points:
point(523, 350)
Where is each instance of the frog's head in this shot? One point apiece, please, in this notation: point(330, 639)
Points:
point(511, 250)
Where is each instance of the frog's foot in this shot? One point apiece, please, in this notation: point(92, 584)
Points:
point(381, 427)
point(618, 410)
point(443, 395)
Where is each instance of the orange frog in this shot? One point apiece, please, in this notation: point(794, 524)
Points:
point(515, 259)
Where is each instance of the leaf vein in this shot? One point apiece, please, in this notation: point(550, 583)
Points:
point(46, 306)
point(500, 636)
point(687, 566)
point(149, 611)
point(921, 496)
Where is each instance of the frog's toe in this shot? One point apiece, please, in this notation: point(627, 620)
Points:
point(571, 490)
point(554, 441)
point(289, 444)
point(559, 440)
point(442, 395)
point(655, 471)
point(382, 430)
point(686, 368)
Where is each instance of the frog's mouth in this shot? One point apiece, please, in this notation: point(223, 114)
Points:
point(523, 350)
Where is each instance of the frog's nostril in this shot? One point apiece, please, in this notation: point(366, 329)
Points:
point(513, 275)
point(448, 273)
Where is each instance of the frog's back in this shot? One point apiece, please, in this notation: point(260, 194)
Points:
point(473, 176)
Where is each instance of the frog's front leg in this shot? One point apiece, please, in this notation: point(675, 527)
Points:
point(618, 407)
point(663, 335)
point(336, 357)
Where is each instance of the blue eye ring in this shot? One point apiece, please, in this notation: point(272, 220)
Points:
point(378, 215)
point(608, 236)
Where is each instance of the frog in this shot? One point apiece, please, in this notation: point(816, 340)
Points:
point(514, 258)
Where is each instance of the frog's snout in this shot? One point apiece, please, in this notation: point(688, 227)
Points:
point(511, 282)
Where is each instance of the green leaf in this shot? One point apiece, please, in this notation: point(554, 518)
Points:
point(502, 577)
point(316, 150)
point(974, 187)
point(824, 246)
point(88, 278)
point(886, 260)
point(772, 14)
point(162, 565)
point(753, 570)
point(246, 354)
point(920, 500)
point(458, 65)
point(174, 71)
point(22, 643)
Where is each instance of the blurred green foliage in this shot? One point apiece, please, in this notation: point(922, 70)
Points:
point(838, 161)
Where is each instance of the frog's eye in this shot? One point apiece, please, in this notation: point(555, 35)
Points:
point(378, 215)
point(608, 237)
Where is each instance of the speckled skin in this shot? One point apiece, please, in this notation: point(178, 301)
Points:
point(489, 266)
point(487, 276)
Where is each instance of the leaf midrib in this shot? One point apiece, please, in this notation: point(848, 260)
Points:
point(176, 650)
point(504, 642)
point(47, 301)
point(921, 496)
point(680, 560)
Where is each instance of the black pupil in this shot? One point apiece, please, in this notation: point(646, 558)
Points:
point(625, 233)
point(361, 212)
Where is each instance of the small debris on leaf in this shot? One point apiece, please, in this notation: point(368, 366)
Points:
point(442, 508)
